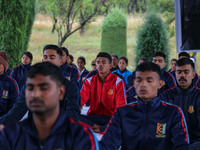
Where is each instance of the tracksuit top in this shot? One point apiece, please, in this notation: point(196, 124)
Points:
point(168, 81)
point(152, 125)
point(70, 73)
point(65, 134)
point(19, 74)
point(189, 101)
point(9, 92)
point(105, 97)
point(125, 74)
point(82, 77)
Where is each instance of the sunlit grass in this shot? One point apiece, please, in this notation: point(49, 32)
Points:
point(88, 45)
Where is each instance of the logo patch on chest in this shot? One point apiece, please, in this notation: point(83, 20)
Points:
point(5, 94)
point(68, 78)
point(161, 130)
point(110, 92)
point(191, 109)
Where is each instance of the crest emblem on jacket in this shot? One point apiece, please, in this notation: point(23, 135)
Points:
point(161, 130)
point(110, 92)
point(5, 94)
point(191, 109)
point(68, 78)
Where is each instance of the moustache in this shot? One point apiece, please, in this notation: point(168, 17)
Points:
point(36, 100)
point(182, 78)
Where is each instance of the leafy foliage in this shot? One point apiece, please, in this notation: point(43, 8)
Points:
point(152, 37)
point(113, 38)
point(16, 24)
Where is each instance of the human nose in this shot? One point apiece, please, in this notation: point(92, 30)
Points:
point(36, 93)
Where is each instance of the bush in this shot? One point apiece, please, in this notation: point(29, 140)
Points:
point(152, 37)
point(113, 38)
point(16, 24)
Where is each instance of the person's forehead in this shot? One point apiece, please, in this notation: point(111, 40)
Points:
point(50, 52)
point(187, 66)
point(39, 79)
point(102, 59)
point(146, 74)
point(158, 57)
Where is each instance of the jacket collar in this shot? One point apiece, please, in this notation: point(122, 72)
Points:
point(191, 88)
point(26, 66)
point(150, 105)
point(65, 66)
point(107, 78)
point(29, 126)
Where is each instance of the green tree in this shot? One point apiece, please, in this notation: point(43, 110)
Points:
point(152, 37)
point(113, 38)
point(16, 22)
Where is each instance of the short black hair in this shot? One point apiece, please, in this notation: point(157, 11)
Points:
point(65, 50)
point(28, 54)
point(54, 47)
point(46, 69)
point(114, 56)
point(148, 66)
point(71, 57)
point(142, 58)
point(106, 55)
point(161, 54)
point(174, 60)
point(183, 54)
point(82, 59)
point(185, 61)
point(124, 58)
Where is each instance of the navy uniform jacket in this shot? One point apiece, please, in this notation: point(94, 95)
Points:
point(19, 74)
point(168, 81)
point(70, 73)
point(65, 134)
point(82, 77)
point(8, 93)
point(189, 101)
point(131, 93)
point(70, 103)
point(153, 125)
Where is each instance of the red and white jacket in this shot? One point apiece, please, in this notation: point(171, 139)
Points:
point(105, 97)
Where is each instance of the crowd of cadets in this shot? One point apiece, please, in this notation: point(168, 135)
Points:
point(111, 85)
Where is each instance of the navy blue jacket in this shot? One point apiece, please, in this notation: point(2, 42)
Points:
point(71, 104)
point(70, 73)
point(65, 134)
point(82, 78)
point(19, 74)
point(189, 101)
point(168, 81)
point(8, 93)
point(130, 95)
point(147, 126)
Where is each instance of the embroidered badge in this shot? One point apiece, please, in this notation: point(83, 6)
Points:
point(83, 78)
point(110, 92)
point(163, 83)
point(5, 94)
point(161, 130)
point(68, 78)
point(191, 109)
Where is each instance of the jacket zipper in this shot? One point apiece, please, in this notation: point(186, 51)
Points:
point(101, 98)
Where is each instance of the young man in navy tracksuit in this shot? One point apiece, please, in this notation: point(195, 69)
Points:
point(168, 78)
point(8, 86)
point(187, 96)
point(48, 127)
point(69, 72)
point(148, 123)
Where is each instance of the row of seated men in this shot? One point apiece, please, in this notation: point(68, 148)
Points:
point(107, 92)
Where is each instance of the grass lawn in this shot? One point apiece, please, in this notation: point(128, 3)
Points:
point(88, 45)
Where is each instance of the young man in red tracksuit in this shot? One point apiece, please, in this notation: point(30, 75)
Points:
point(106, 92)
